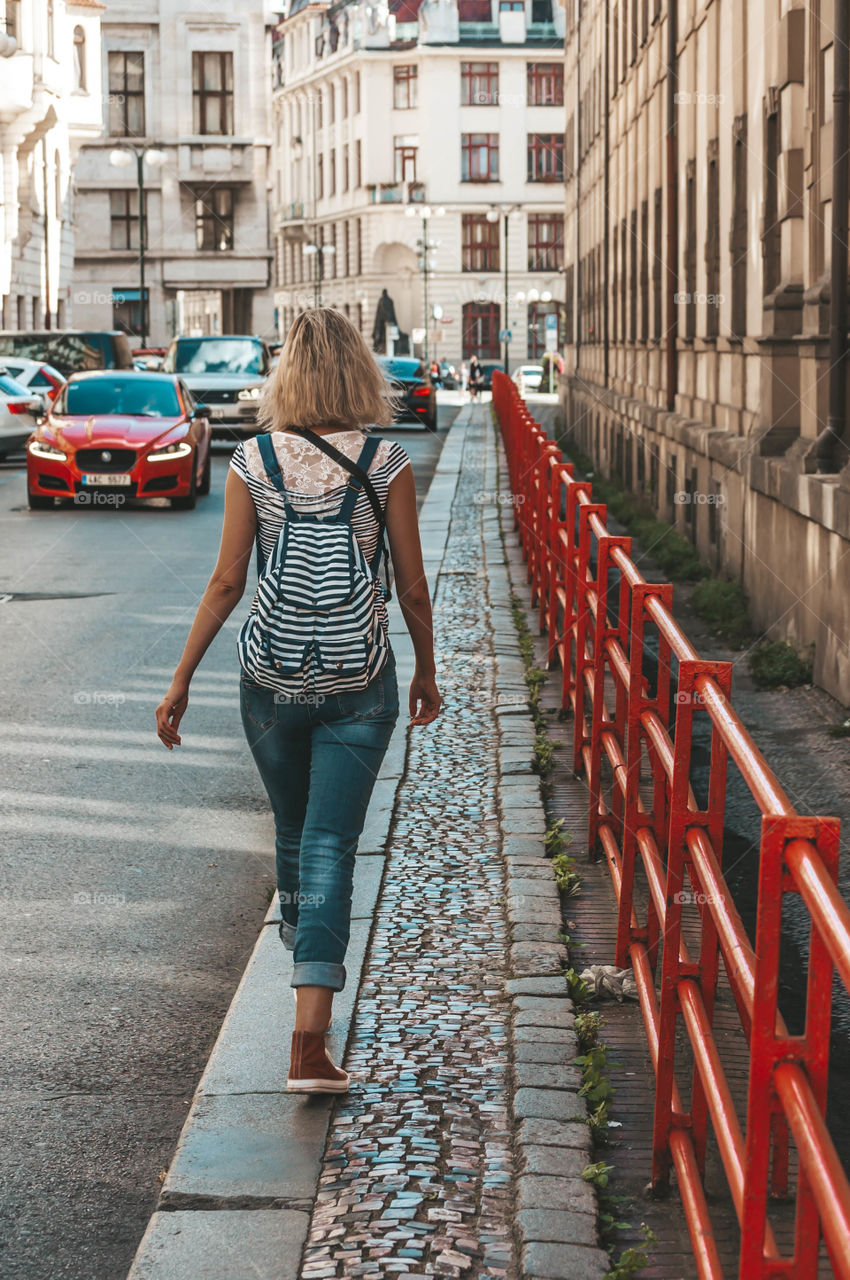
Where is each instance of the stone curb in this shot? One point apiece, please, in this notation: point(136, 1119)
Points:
point(237, 1198)
point(556, 1219)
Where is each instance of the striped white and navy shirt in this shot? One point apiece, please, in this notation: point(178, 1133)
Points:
point(316, 484)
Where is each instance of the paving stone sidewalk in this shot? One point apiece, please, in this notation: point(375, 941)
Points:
point(459, 1150)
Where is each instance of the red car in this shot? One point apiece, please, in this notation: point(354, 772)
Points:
point(112, 432)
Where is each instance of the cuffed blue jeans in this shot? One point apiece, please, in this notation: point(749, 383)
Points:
point(319, 758)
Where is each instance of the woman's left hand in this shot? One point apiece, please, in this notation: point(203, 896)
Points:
point(170, 711)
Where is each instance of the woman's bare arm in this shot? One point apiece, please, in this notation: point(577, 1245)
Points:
point(225, 590)
point(412, 593)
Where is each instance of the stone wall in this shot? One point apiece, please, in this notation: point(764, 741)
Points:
point(756, 518)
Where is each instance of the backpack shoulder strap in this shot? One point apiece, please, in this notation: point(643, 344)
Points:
point(360, 480)
point(272, 466)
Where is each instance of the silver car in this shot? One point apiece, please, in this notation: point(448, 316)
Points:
point(225, 373)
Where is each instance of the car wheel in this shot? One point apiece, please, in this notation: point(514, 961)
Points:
point(206, 476)
point(37, 502)
point(190, 501)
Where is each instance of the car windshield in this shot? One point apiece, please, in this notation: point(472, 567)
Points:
point(399, 368)
point(141, 397)
point(10, 387)
point(216, 355)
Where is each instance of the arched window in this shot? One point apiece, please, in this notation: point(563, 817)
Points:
point(79, 59)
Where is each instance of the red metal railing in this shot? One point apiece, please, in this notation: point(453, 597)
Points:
point(644, 816)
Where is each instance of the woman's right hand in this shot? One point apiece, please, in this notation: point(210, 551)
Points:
point(424, 700)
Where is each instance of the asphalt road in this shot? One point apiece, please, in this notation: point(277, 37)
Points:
point(133, 881)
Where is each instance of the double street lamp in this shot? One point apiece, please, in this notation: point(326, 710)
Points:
point(506, 211)
point(122, 157)
point(424, 212)
point(319, 252)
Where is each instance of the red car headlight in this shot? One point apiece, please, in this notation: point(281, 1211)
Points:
point(169, 452)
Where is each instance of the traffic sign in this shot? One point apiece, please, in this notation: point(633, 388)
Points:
point(504, 335)
point(551, 331)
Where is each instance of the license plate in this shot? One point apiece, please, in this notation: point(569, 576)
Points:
point(109, 480)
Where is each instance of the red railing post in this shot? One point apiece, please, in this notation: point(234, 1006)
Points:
point(557, 569)
point(575, 490)
point(584, 660)
point(603, 632)
point(639, 701)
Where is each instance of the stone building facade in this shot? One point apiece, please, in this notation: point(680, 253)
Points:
point(452, 108)
point(697, 288)
point(192, 84)
point(50, 105)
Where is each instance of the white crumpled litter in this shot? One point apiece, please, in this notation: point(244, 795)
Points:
point(608, 980)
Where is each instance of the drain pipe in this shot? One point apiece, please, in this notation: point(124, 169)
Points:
point(578, 309)
point(606, 242)
point(831, 452)
point(672, 208)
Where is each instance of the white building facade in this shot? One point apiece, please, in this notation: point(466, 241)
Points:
point(449, 108)
point(188, 86)
point(50, 104)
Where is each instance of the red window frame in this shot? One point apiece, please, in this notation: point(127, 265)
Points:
point(405, 87)
point(545, 155)
point(545, 242)
point(481, 324)
point(479, 243)
point(472, 145)
point(479, 84)
point(404, 162)
point(545, 84)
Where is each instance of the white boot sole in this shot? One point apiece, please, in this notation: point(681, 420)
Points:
point(319, 1086)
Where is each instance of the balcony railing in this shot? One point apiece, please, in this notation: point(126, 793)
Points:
point(291, 212)
point(396, 192)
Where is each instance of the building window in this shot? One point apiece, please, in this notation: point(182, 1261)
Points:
point(633, 278)
point(657, 259)
point(545, 84)
point(712, 241)
point(212, 93)
point(344, 92)
point(541, 12)
point(214, 219)
point(346, 168)
point(332, 172)
point(545, 242)
point(404, 159)
point(357, 93)
point(481, 330)
point(320, 177)
point(480, 243)
point(479, 157)
point(123, 219)
point(345, 269)
point(545, 157)
point(320, 109)
point(738, 239)
point(690, 247)
point(405, 87)
point(126, 94)
point(358, 163)
point(772, 232)
point(80, 60)
point(331, 103)
point(358, 243)
point(479, 84)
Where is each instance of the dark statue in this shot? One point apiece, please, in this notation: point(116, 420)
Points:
point(385, 315)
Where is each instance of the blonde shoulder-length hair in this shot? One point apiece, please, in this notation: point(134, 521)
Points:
point(325, 375)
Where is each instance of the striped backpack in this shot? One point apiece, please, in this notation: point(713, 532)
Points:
point(316, 627)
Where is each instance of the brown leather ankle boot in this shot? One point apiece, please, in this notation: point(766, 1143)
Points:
point(310, 1068)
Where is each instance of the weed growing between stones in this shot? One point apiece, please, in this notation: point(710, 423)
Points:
point(587, 1026)
point(776, 665)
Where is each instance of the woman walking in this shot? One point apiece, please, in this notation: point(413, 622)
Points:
point(318, 688)
point(476, 378)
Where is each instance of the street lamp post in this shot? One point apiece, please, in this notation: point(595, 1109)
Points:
point(318, 252)
point(492, 215)
point(424, 212)
point(121, 159)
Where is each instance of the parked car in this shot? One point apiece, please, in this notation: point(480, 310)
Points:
point(149, 357)
point(40, 379)
point(528, 377)
point(418, 395)
point(140, 435)
point(488, 368)
point(69, 350)
point(19, 411)
point(449, 376)
point(226, 373)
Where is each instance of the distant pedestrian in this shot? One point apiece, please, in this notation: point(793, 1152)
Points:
point(476, 378)
point(318, 688)
point(464, 375)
